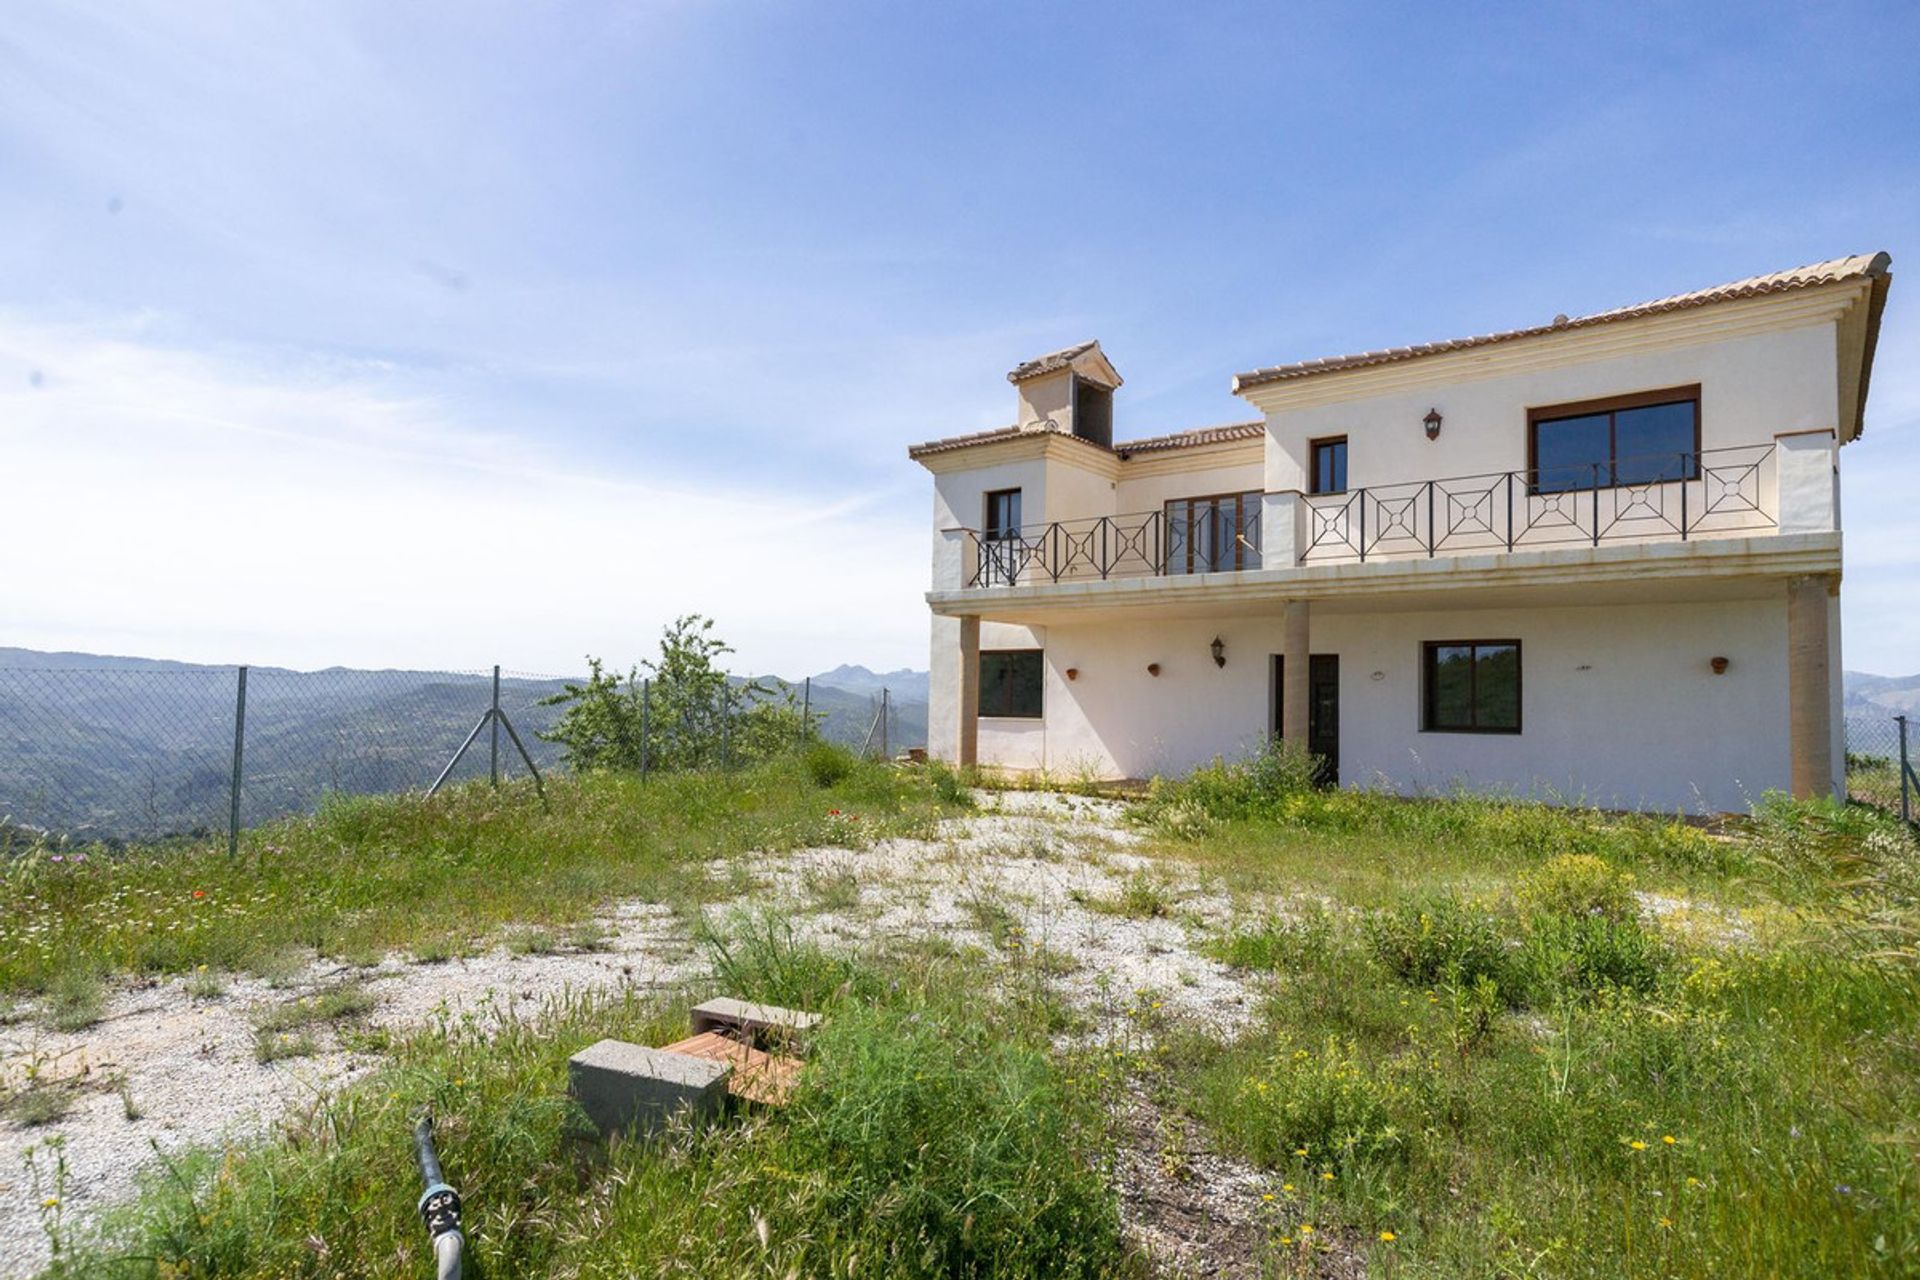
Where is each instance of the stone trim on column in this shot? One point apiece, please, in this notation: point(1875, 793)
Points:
point(969, 753)
point(1295, 649)
point(1809, 687)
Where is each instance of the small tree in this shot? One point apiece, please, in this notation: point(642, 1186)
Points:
point(695, 716)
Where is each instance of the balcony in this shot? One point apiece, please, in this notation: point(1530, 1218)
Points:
point(1715, 493)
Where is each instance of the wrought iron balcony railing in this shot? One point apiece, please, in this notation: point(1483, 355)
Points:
point(1215, 537)
point(1712, 493)
point(1683, 495)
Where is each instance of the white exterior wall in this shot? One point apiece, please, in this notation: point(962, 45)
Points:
point(1619, 705)
point(1752, 388)
point(1152, 492)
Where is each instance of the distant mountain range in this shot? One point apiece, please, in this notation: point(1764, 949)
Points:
point(143, 747)
point(1891, 695)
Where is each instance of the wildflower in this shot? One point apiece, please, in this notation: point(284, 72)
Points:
point(1638, 1145)
point(1299, 1151)
point(51, 1202)
point(56, 858)
point(1326, 1176)
point(1666, 1222)
point(1286, 1186)
point(1268, 1197)
point(1306, 1229)
point(199, 893)
point(1669, 1139)
point(1387, 1237)
point(1693, 1182)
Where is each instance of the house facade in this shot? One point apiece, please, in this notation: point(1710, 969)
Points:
point(1597, 560)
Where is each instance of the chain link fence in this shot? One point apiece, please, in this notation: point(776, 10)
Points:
point(1881, 767)
point(151, 751)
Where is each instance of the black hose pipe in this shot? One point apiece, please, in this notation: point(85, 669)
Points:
point(439, 1203)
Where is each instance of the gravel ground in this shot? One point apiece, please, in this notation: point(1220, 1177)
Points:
point(1046, 863)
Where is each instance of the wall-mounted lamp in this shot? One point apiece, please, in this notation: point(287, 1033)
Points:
point(1153, 668)
point(1219, 649)
point(1433, 424)
point(1073, 673)
point(1719, 665)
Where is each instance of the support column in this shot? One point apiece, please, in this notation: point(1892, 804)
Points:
point(1295, 648)
point(1809, 688)
point(969, 684)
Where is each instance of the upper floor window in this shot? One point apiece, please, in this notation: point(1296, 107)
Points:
point(1596, 444)
point(1214, 534)
point(1003, 515)
point(1329, 465)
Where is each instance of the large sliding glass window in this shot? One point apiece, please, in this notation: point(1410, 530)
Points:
point(1213, 535)
point(1470, 686)
point(1011, 683)
point(1598, 444)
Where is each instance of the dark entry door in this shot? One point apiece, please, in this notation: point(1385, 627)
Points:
point(1323, 710)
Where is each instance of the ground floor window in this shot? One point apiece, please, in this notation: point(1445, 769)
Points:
point(1470, 686)
point(1011, 681)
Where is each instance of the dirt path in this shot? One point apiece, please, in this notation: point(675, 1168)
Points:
point(166, 1070)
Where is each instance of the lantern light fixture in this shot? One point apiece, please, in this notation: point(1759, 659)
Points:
point(1219, 648)
point(1433, 424)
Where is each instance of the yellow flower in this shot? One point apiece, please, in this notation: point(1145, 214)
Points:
point(51, 1202)
point(1299, 1151)
point(1388, 1237)
point(1286, 1186)
point(1306, 1228)
point(1286, 1239)
point(1669, 1139)
point(1268, 1196)
point(1327, 1176)
point(1666, 1222)
point(1693, 1182)
point(1638, 1145)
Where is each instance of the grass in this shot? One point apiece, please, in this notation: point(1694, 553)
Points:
point(1474, 1050)
point(1500, 1061)
point(370, 876)
point(286, 1030)
point(934, 1133)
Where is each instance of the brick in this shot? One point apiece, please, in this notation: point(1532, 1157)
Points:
point(766, 1025)
point(630, 1088)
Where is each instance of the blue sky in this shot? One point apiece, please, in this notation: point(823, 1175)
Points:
point(441, 335)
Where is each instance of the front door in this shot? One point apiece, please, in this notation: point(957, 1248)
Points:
point(1323, 710)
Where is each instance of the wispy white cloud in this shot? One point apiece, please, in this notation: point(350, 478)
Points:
point(172, 502)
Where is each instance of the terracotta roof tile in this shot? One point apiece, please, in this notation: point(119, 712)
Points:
point(1048, 363)
point(1192, 439)
point(1861, 266)
point(995, 436)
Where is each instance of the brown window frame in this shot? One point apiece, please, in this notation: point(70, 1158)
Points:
point(980, 696)
point(1427, 650)
point(1241, 499)
point(987, 530)
point(1610, 405)
point(1313, 463)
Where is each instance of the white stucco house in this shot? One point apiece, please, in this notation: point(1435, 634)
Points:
point(1595, 560)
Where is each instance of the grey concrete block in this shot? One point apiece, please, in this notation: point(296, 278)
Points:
point(628, 1087)
point(767, 1025)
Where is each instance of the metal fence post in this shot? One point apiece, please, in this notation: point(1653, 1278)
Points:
point(1906, 773)
point(239, 750)
point(806, 709)
point(646, 701)
point(884, 708)
point(493, 758)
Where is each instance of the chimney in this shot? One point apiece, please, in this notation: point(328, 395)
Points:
point(1069, 391)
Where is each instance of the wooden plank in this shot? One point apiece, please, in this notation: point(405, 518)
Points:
point(756, 1076)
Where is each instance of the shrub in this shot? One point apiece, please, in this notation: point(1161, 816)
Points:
point(1582, 955)
point(1578, 884)
point(1323, 1103)
point(828, 763)
point(1426, 940)
point(1276, 943)
point(1257, 787)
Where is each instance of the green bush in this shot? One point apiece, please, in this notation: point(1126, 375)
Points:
point(1426, 940)
point(1578, 884)
point(1257, 787)
point(828, 764)
point(1581, 955)
point(1319, 1109)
